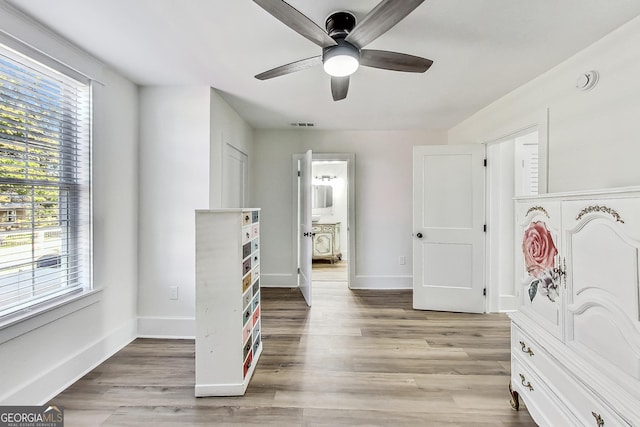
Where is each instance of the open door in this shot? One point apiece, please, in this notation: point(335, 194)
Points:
point(305, 230)
point(448, 226)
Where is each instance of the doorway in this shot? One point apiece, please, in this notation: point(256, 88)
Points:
point(516, 166)
point(330, 209)
point(333, 263)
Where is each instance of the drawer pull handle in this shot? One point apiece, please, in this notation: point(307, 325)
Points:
point(528, 350)
point(528, 384)
point(599, 420)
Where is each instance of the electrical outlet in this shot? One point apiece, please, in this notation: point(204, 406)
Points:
point(173, 292)
point(402, 260)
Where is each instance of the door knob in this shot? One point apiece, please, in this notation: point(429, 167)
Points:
point(419, 235)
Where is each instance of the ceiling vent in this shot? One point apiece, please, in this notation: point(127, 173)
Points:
point(303, 125)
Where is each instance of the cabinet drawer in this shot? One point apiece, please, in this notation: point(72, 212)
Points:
point(255, 244)
point(327, 228)
point(529, 355)
point(256, 315)
point(247, 364)
point(246, 250)
point(246, 300)
point(256, 330)
point(534, 356)
point(316, 228)
point(246, 315)
point(255, 230)
point(246, 332)
point(542, 404)
point(246, 218)
point(247, 347)
point(246, 234)
point(256, 344)
point(246, 266)
point(255, 274)
point(255, 259)
point(246, 282)
point(256, 301)
point(255, 216)
point(256, 287)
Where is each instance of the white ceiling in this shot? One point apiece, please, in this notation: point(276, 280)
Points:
point(481, 49)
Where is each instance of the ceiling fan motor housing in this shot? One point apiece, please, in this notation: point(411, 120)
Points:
point(340, 24)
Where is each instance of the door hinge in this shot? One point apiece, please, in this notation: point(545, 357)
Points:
point(484, 163)
point(298, 270)
point(298, 173)
point(484, 228)
point(484, 292)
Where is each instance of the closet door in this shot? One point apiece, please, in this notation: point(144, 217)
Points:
point(448, 219)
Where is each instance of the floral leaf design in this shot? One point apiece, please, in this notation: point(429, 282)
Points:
point(540, 253)
point(533, 289)
point(538, 248)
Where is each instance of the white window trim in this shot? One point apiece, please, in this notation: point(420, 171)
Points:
point(37, 315)
point(22, 322)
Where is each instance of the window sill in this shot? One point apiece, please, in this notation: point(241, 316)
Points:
point(26, 321)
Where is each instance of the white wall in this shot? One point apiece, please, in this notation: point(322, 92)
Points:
point(39, 363)
point(383, 199)
point(174, 181)
point(227, 127)
point(594, 136)
point(182, 131)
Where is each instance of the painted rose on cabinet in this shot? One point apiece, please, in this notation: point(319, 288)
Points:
point(540, 261)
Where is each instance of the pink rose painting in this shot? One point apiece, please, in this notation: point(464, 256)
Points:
point(539, 259)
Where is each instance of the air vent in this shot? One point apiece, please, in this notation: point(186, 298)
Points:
point(303, 125)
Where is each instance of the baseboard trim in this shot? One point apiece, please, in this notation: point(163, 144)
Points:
point(58, 378)
point(283, 280)
point(167, 327)
point(507, 303)
point(381, 282)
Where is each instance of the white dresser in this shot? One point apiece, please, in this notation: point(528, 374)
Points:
point(326, 241)
point(228, 338)
point(575, 339)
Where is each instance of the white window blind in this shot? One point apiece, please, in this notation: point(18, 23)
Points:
point(45, 199)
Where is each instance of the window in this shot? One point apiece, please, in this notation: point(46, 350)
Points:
point(45, 202)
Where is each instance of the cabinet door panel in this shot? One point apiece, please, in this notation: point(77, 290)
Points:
point(539, 264)
point(603, 246)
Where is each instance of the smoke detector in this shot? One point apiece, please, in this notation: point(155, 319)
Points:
point(587, 81)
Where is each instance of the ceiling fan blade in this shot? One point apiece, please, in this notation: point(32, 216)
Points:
point(298, 22)
point(394, 61)
point(303, 64)
point(339, 87)
point(384, 16)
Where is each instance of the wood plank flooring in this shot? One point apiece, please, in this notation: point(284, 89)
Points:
point(356, 358)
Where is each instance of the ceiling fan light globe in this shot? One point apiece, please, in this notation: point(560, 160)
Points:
point(341, 65)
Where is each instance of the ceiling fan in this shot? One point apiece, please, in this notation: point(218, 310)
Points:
point(343, 41)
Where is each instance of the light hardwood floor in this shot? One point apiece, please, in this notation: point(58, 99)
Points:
point(356, 358)
point(324, 271)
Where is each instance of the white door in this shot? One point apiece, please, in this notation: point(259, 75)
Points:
point(305, 229)
point(448, 227)
point(234, 177)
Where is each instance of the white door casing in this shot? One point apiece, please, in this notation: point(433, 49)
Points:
point(448, 226)
point(235, 177)
point(305, 226)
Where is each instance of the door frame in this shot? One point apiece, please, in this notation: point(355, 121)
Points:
point(350, 158)
point(227, 150)
point(493, 302)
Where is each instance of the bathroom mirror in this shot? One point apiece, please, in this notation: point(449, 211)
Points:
point(322, 196)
